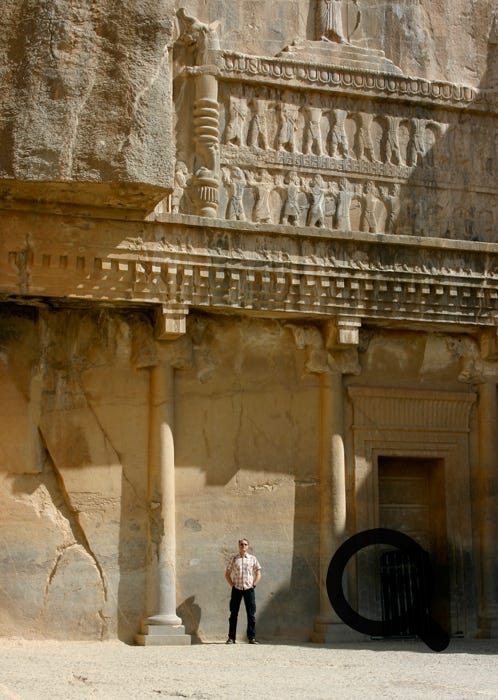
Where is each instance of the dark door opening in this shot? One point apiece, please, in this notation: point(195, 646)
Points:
point(412, 500)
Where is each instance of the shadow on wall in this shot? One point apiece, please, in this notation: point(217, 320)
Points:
point(190, 614)
point(455, 160)
point(247, 414)
point(289, 611)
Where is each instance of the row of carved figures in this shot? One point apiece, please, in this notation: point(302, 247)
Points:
point(315, 130)
point(300, 200)
point(261, 196)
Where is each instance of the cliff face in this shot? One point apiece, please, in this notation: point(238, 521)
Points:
point(85, 96)
point(86, 86)
point(351, 251)
point(434, 39)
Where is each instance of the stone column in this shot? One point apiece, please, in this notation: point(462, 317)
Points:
point(206, 142)
point(162, 625)
point(328, 626)
point(487, 491)
point(341, 337)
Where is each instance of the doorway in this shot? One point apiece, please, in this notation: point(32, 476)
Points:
point(412, 500)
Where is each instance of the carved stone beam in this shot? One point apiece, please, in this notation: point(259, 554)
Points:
point(341, 333)
point(171, 321)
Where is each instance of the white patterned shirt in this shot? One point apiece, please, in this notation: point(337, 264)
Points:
point(242, 569)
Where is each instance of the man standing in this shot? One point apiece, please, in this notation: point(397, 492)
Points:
point(243, 574)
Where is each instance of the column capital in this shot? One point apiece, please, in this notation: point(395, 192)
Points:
point(489, 343)
point(324, 352)
point(478, 364)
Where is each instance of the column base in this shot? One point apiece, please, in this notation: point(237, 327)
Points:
point(162, 635)
point(336, 633)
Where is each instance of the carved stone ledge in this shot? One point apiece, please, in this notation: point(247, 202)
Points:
point(272, 269)
point(362, 82)
point(401, 409)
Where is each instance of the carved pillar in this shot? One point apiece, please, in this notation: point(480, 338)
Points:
point(487, 504)
point(328, 626)
point(162, 625)
point(332, 482)
point(341, 337)
point(206, 180)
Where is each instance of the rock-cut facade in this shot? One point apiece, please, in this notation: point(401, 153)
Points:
point(248, 288)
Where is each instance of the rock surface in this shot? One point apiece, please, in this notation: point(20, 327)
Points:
point(85, 99)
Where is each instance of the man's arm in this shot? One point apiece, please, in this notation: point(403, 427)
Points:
point(228, 576)
point(257, 577)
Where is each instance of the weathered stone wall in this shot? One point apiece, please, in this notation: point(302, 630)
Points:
point(74, 515)
point(247, 421)
point(85, 99)
point(73, 475)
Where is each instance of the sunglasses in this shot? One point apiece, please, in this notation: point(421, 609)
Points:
point(243, 544)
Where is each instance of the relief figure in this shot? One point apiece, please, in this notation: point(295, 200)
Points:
point(329, 21)
point(292, 208)
point(262, 183)
point(339, 139)
point(364, 143)
point(416, 147)
point(258, 129)
point(236, 183)
point(235, 131)
point(392, 202)
point(344, 198)
point(313, 132)
point(393, 152)
point(316, 213)
point(289, 114)
point(180, 184)
point(369, 220)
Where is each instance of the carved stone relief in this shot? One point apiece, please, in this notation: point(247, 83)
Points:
point(263, 153)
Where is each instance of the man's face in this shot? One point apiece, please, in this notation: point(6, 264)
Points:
point(243, 545)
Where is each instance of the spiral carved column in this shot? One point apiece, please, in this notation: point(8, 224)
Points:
point(206, 180)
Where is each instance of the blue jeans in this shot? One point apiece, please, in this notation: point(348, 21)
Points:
point(250, 603)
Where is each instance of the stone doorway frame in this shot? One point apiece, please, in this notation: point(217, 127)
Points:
point(425, 425)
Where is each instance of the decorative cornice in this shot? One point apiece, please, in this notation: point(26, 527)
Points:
point(189, 262)
point(292, 72)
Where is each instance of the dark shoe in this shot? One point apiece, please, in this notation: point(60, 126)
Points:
point(253, 641)
point(230, 641)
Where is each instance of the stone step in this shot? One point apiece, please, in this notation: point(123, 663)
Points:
point(157, 640)
point(157, 630)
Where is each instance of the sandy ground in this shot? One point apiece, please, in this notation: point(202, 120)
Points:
point(407, 669)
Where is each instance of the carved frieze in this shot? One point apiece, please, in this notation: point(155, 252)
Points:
point(232, 266)
point(419, 159)
point(372, 83)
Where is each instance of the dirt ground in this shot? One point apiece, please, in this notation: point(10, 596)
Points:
point(407, 669)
